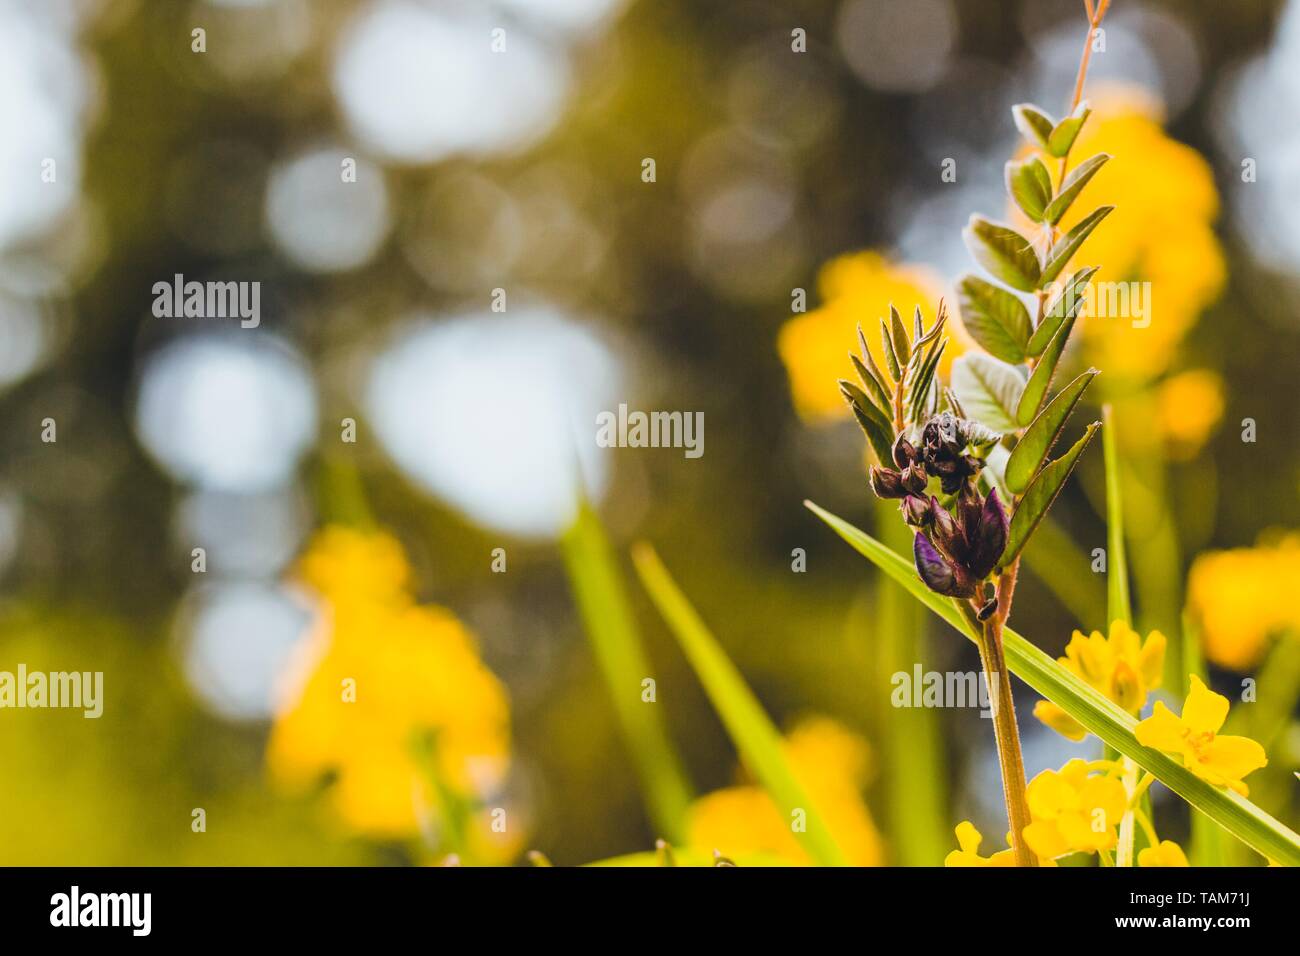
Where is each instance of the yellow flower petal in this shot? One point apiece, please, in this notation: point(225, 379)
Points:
point(1151, 660)
point(1059, 720)
point(1163, 730)
point(1234, 757)
point(1205, 711)
point(1168, 853)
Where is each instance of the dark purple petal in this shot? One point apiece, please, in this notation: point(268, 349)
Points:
point(886, 483)
point(992, 537)
point(937, 573)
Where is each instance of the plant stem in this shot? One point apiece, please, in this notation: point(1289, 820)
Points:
point(1095, 16)
point(1006, 732)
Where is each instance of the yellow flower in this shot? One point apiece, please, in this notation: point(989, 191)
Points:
point(1073, 811)
point(1122, 667)
point(1168, 853)
point(1190, 405)
point(854, 288)
point(969, 840)
point(831, 763)
point(1221, 760)
point(382, 673)
point(1161, 232)
point(1237, 598)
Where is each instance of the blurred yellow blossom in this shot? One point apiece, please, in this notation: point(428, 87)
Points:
point(1237, 598)
point(854, 288)
point(1161, 231)
point(1189, 405)
point(1073, 811)
point(1123, 667)
point(967, 854)
point(381, 675)
point(1168, 853)
point(1217, 758)
point(832, 764)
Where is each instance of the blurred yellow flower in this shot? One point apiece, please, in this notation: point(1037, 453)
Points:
point(1237, 598)
point(967, 854)
point(1189, 405)
point(1168, 853)
point(383, 674)
point(832, 764)
point(1161, 232)
point(1073, 811)
point(1123, 667)
point(1217, 758)
point(854, 288)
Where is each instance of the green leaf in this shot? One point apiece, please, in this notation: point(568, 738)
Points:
point(756, 739)
point(597, 583)
point(988, 390)
point(879, 397)
point(1042, 433)
point(1118, 603)
point(1007, 255)
point(880, 435)
point(1040, 494)
point(1065, 247)
point(1064, 133)
point(898, 333)
point(1041, 378)
point(994, 317)
point(886, 386)
point(1034, 124)
point(1096, 713)
point(1073, 185)
point(1030, 185)
point(921, 389)
point(1065, 306)
point(891, 357)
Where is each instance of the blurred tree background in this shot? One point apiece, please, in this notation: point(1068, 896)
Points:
point(522, 171)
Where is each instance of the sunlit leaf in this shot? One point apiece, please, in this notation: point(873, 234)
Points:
point(1065, 247)
point(1073, 185)
point(1041, 377)
point(1066, 305)
point(756, 739)
point(995, 318)
point(598, 588)
point(988, 389)
point(1007, 255)
point(1065, 132)
point(1042, 433)
point(1034, 124)
point(1040, 494)
point(1030, 185)
point(1119, 607)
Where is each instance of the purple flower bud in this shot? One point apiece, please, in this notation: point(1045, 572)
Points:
point(938, 574)
point(904, 452)
point(914, 478)
point(886, 483)
point(916, 512)
point(987, 549)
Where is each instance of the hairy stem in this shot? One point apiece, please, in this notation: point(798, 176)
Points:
point(1005, 730)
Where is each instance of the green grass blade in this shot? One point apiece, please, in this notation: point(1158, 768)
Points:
point(757, 741)
point(1099, 715)
point(598, 589)
point(1118, 604)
